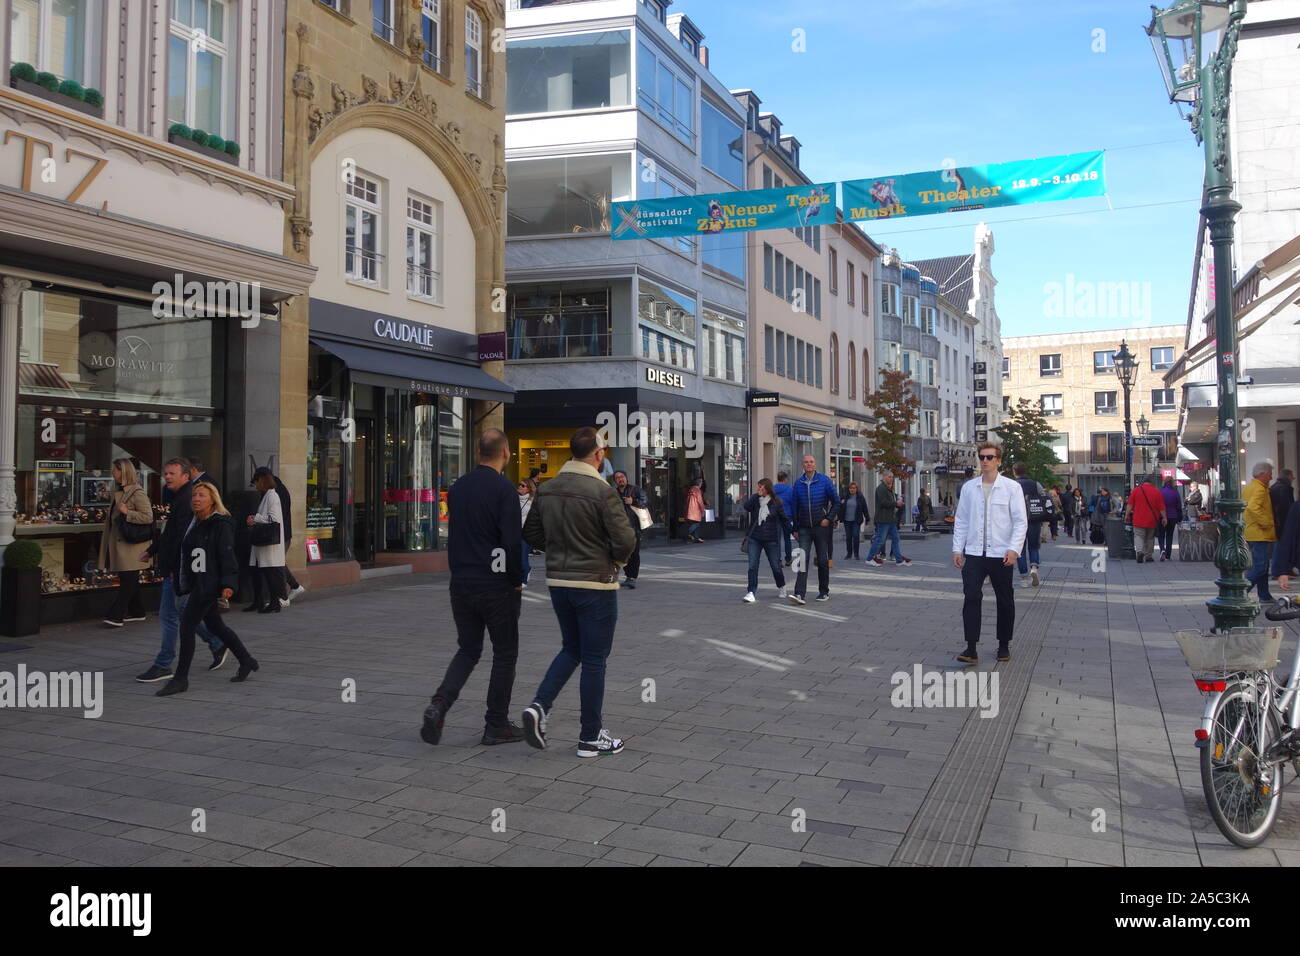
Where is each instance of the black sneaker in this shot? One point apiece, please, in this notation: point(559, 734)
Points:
point(1004, 653)
point(534, 721)
point(434, 715)
point(507, 734)
point(113, 621)
point(969, 656)
point(823, 597)
point(173, 686)
point(135, 619)
point(153, 674)
point(603, 746)
point(631, 582)
point(219, 658)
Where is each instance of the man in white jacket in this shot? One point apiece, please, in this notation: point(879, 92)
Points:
point(990, 528)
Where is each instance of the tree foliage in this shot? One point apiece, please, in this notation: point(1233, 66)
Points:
point(895, 408)
point(1026, 436)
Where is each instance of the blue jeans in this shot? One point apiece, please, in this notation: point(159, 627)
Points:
point(170, 608)
point(587, 618)
point(528, 565)
point(1029, 550)
point(884, 531)
point(773, 551)
point(1258, 576)
point(852, 539)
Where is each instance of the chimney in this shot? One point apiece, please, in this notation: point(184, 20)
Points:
point(704, 56)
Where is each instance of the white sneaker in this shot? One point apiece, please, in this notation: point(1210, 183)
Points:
point(749, 597)
point(781, 595)
point(284, 602)
point(603, 746)
point(1024, 580)
point(1033, 575)
point(296, 591)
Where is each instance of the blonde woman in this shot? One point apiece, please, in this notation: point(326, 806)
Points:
point(269, 558)
point(130, 505)
point(208, 573)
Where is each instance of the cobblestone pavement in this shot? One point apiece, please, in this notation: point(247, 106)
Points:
point(770, 738)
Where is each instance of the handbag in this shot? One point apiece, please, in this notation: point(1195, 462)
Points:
point(643, 516)
point(264, 535)
point(710, 515)
point(134, 533)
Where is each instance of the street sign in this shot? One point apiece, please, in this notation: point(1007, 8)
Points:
point(1148, 441)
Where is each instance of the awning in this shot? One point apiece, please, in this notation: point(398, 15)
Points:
point(1282, 268)
point(416, 373)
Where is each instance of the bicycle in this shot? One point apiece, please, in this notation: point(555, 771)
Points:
point(1249, 727)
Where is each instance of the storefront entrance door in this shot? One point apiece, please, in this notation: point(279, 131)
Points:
point(364, 500)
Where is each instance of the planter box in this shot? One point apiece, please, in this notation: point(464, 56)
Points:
point(208, 151)
point(20, 602)
point(69, 606)
point(27, 86)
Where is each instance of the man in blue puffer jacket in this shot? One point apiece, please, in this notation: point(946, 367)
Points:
point(815, 503)
point(783, 490)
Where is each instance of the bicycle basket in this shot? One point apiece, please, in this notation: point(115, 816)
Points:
point(1241, 649)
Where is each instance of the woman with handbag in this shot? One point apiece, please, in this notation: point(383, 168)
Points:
point(128, 525)
point(527, 492)
point(208, 573)
point(268, 544)
point(769, 527)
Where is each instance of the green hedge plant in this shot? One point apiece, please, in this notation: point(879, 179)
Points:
point(49, 81)
point(73, 90)
point(23, 555)
point(232, 148)
point(23, 71)
point(94, 98)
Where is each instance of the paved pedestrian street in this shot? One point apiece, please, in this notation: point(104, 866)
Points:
point(756, 734)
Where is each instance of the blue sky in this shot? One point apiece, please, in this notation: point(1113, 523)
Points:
point(898, 86)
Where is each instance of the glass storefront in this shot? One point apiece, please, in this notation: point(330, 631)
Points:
point(791, 448)
point(100, 380)
point(382, 485)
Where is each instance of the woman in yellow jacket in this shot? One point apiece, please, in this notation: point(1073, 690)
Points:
point(1260, 531)
point(130, 504)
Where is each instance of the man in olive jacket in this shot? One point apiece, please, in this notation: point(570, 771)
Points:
point(578, 520)
point(886, 523)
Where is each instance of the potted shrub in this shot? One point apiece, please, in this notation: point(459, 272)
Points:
point(69, 93)
point(209, 144)
point(20, 589)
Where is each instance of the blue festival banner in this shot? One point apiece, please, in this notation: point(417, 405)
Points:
point(962, 188)
point(788, 208)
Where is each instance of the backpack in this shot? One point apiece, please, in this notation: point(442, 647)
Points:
point(1098, 536)
point(1038, 506)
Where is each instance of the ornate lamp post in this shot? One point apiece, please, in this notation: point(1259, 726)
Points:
point(1126, 366)
point(1195, 42)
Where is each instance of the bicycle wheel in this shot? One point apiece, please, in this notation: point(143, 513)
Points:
point(1242, 791)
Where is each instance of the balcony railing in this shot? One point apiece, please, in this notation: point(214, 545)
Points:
point(363, 265)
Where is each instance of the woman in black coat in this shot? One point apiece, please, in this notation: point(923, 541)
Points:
point(769, 527)
point(208, 573)
point(853, 514)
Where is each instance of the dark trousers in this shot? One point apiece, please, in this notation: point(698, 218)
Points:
point(127, 603)
point(1260, 553)
point(497, 611)
point(203, 607)
point(819, 538)
point(1052, 527)
point(587, 618)
point(852, 538)
point(1069, 524)
point(1165, 537)
point(973, 573)
point(789, 546)
point(269, 581)
point(633, 566)
point(773, 551)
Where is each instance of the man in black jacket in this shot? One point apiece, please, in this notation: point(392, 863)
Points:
point(166, 550)
point(485, 555)
point(1282, 496)
point(633, 497)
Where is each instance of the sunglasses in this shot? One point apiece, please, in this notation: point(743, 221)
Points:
point(988, 457)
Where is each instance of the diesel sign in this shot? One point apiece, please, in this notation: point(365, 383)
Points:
point(660, 377)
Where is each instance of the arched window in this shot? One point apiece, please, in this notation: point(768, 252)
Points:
point(866, 376)
point(853, 371)
point(835, 364)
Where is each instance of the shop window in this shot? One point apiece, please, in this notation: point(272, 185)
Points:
point(329, 457)
point(575, 72)
point(56, 36)
point(559, 322)
point(197, 56)
point(423, 276)
point(566, 195)
point(363, 252)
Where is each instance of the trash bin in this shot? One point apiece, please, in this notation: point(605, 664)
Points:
point(1114, 536)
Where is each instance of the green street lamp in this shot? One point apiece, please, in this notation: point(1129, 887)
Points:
point(1195, 42)
point(1126, 366)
